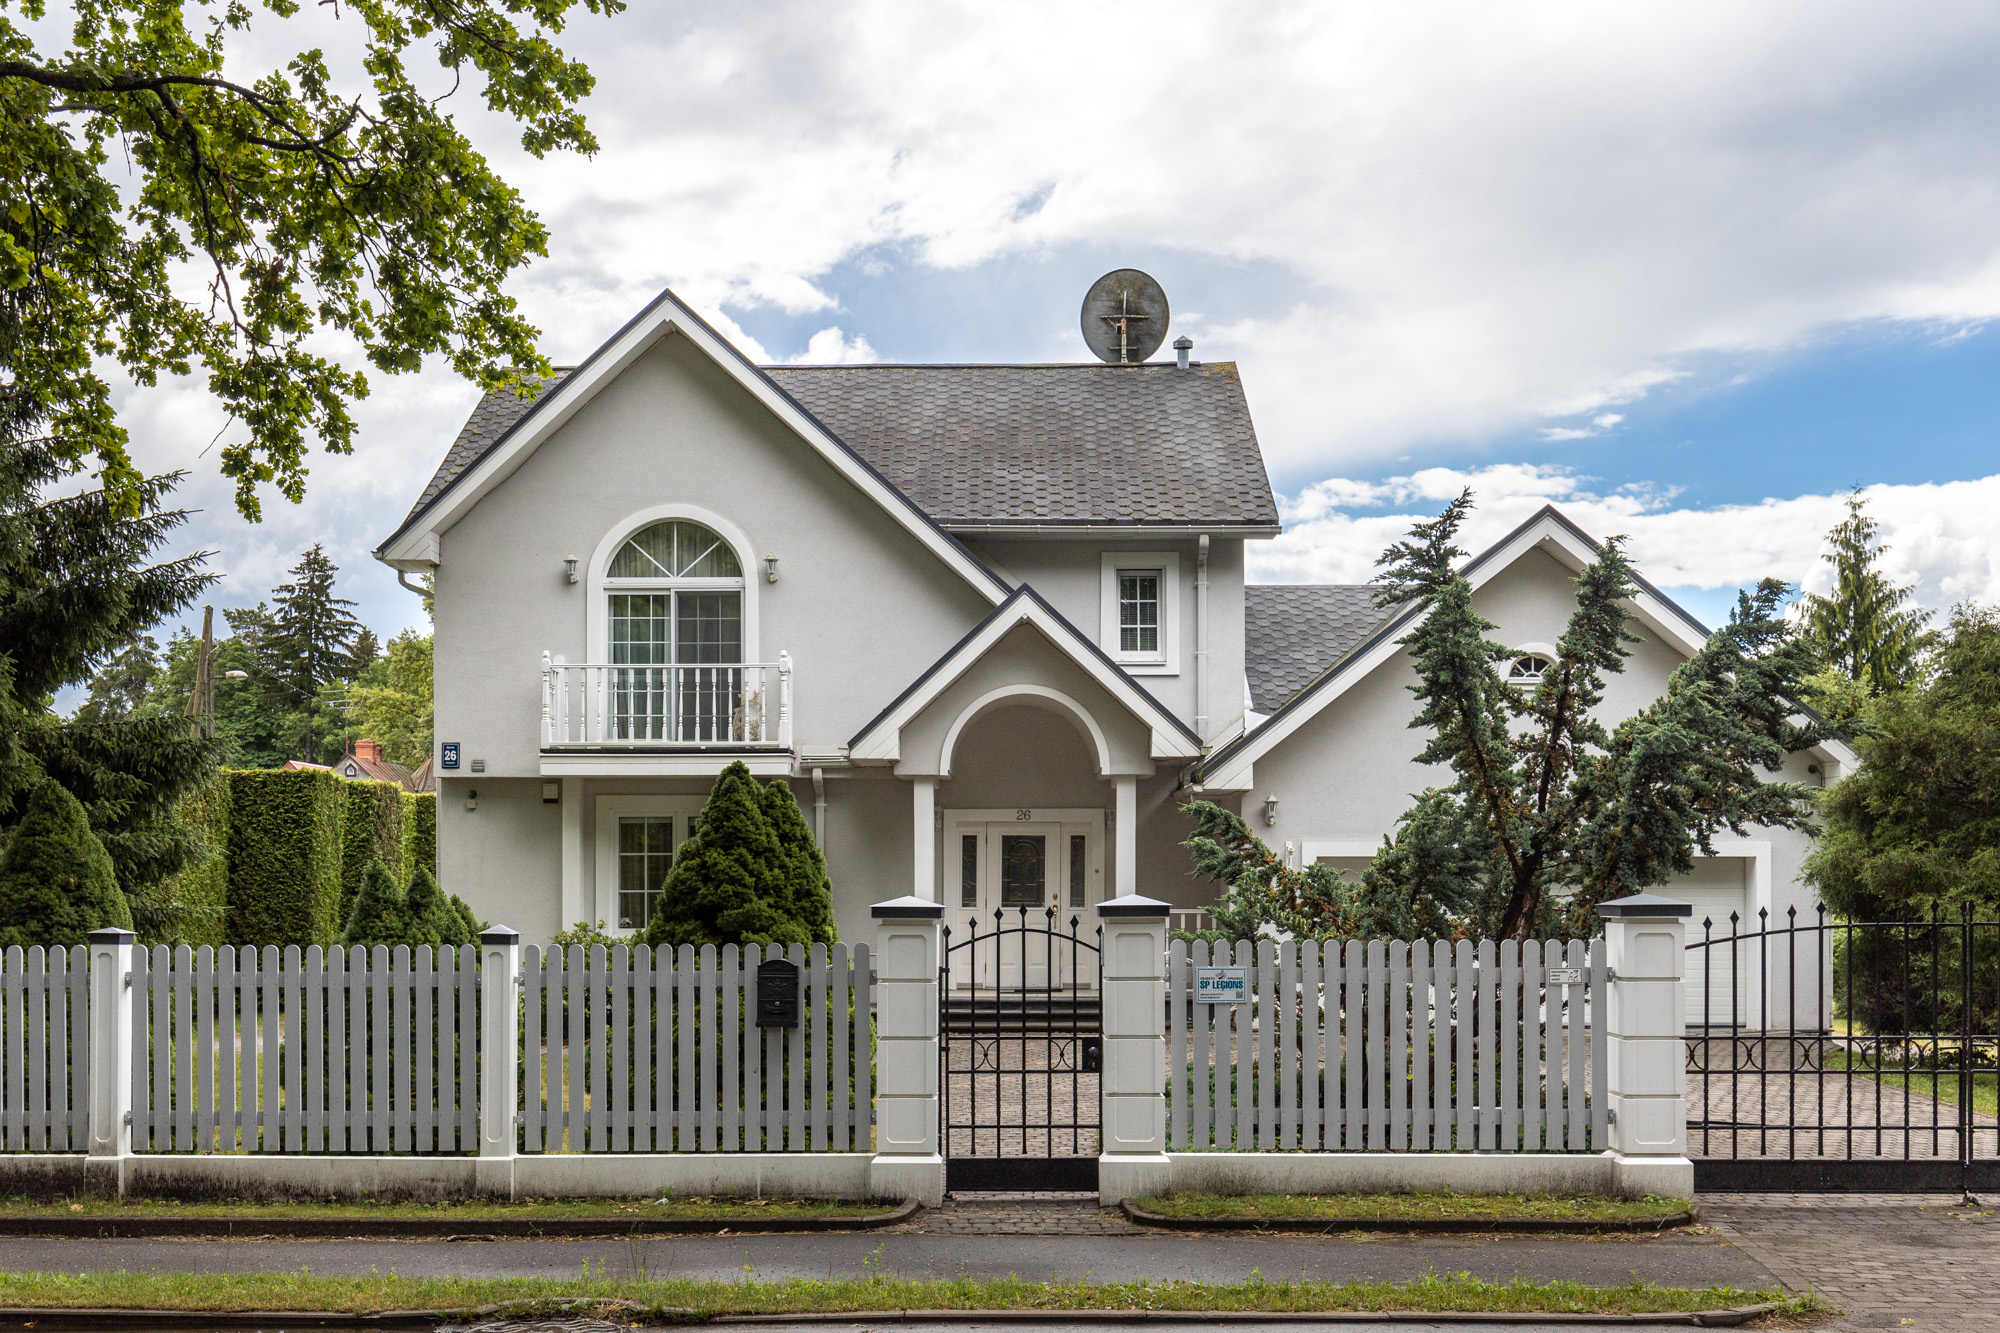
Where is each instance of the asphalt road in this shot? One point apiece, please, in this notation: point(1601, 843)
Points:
point(1671, 1260)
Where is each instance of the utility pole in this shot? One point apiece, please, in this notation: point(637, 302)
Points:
point(202, 702)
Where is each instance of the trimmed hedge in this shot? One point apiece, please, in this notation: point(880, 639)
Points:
point(192, 904)
point(371, 829)
point(285, 856)
point(420, 832)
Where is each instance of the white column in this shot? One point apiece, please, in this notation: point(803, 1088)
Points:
point(577, 900)
point(1646, 1059)
point(1133, 1163)
point(923, 825)
point(1125, 832)
point(499, 1058)
point(111, 1043)
point(908, 1164)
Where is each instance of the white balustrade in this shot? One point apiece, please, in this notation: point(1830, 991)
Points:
point(708, 706)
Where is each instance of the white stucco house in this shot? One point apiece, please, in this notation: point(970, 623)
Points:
point(990, 621)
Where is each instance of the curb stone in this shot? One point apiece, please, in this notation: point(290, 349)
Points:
point(1441, 1225)
point(419, 1228)
point(81, 1318)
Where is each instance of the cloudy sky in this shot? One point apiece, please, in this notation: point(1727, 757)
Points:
point(1690, 271)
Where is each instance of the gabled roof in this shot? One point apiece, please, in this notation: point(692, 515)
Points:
point(1294, 631)
point(1002, 447)
point(1548, 529)
point(881, 739)
point(486, 462)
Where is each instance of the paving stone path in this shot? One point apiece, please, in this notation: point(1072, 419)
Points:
point(1922, 1262)
point(1809, 1113)
point(1011, 1214)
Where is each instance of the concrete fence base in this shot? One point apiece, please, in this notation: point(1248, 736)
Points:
point(1399, 1173)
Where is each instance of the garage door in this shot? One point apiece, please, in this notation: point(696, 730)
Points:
point(1718, 886)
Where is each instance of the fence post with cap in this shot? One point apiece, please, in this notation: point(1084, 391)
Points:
point(1133, 1162)
point(110, 1144)
point(908, 1162)
point(1646, 1064)
point(499, 1058)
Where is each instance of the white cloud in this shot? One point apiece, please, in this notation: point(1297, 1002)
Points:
point(1941, 536)
point(831, 347)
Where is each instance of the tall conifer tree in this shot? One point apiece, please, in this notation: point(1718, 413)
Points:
point(1863, 627)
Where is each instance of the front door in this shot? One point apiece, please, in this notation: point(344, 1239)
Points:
point(1035, 860)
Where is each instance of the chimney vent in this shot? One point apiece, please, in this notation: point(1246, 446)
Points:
point(1182, 346)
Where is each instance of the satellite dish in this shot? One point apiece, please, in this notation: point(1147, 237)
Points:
point(1125, 317)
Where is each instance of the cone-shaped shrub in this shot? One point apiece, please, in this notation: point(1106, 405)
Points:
point(57, 883)
point(380, 914)
point(473, 925)
point(432, 918)
point(807, 893)
point(726, 886)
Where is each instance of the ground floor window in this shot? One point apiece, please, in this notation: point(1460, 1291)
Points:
point(645, 855)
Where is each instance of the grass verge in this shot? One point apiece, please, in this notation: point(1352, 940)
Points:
point(458, 1210)
point(1439, 1207)
point(686, 1300)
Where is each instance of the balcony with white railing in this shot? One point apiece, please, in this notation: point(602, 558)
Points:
point(734, 706)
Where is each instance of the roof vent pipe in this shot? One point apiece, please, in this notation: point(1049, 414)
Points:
point(1182, 346)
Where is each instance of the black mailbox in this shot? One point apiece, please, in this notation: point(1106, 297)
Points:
point(778, 994)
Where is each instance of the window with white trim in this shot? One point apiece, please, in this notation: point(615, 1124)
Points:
point(1527, 670)
point(673, 613)
point(637, 840)
point(1141, 617)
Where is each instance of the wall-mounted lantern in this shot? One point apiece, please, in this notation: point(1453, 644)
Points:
point(569, 567)
point(1270, 809)
point(551, 793)
point(770, 569)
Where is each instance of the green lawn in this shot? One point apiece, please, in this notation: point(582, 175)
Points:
point(1419, 1207)
point(685, 1300)
point(470, 1210)
point(1941, 1085)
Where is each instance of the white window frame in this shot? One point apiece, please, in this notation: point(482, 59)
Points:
point(1167, 661)
point(1545, 651)
point(599, 586)
point(682, 809)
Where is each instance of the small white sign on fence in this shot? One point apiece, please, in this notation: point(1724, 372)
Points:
point(1221, 985)
point(1565, 976)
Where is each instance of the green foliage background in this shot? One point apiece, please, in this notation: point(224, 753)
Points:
point(371, 829)
point(285, 856)
point(420, 831)
point(192, 907)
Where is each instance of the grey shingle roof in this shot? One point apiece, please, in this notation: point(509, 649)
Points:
point(1292, 632)
point(1050, 444)
point(1015, 444)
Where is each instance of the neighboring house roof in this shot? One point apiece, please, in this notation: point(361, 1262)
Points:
point(1294, 631)
point(1012, 446)
point(486, 464)
point(881, 738)
point(1229, 766)
point(1001, 446)
point(378, 770)
point(425, 778)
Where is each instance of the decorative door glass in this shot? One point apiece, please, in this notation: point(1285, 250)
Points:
point(1024, 862)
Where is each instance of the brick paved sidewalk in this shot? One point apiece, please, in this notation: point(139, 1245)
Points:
point(1022, 1214)
point(1891, 1261)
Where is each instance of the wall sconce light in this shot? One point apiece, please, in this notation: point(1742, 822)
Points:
point(472, 800)
point(569, 567)
point(770, 569)
point(551, 793)
point(1270, 809)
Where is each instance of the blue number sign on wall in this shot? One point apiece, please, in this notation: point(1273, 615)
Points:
point(448, 756)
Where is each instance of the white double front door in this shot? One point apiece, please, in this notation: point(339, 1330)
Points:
point(1001, 861)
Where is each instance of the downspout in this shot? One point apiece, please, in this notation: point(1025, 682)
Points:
point(1201, 640)
point(403, 577)
point(819, 807)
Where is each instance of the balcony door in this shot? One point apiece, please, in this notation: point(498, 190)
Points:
point(1007, 860)
point(674, 638)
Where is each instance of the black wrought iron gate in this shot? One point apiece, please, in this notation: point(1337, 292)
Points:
point(1020, 1026)
point(1844, 1055)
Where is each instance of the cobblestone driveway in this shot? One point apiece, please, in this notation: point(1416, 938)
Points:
point(1924, 1262)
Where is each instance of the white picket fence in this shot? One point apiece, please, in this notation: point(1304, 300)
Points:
point(305, 1050)
point(670, 1058)
point(1389, 1046)
point(44, 1049)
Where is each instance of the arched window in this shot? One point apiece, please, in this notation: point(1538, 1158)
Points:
point(674, 614)
point(1528, 669)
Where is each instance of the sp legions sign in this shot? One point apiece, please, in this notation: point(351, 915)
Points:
point(777, 994)
point(1565, 976)
point(1221, 985)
